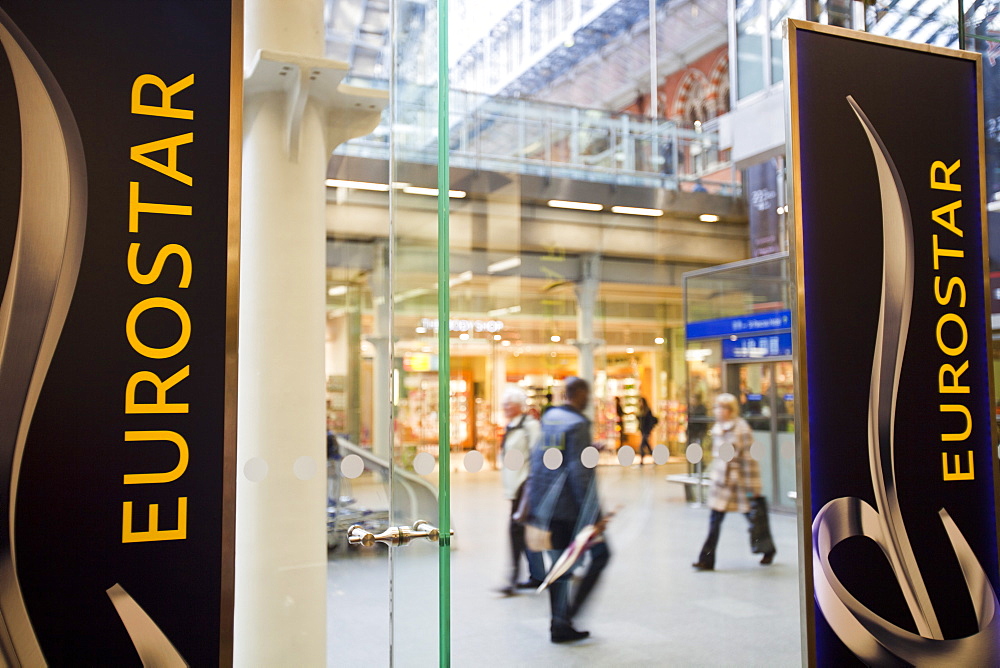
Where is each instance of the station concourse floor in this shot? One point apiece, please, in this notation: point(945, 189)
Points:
point(651, 608)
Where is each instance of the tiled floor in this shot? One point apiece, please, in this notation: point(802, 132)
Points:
point(650, 609)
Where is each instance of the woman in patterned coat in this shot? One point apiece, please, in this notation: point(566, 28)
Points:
point(734, 476)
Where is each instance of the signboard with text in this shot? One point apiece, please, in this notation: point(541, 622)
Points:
point(119, 192)
point(742, 324)
point(896, 422)
point(757, 347)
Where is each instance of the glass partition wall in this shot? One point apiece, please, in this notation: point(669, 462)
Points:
point(575, 202)
point(739, 341)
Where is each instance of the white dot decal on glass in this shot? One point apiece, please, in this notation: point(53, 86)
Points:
point(626, 455)
point(661, 454)
point(352, 466)
point(473, 461)
point(304, 468)
point(590, 456)
point(552, 459)
point(787, 450)
point(694, 453)
point(423, 463)
point(255, 469)
point(757, 450)
point(513, 460)
point(727, 452)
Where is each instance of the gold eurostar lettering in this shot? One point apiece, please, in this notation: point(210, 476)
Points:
point(148, 267)
point(951, 331)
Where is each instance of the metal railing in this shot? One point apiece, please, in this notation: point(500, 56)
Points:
point(555, 141)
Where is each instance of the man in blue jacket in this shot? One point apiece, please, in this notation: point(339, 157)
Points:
point(563, 499)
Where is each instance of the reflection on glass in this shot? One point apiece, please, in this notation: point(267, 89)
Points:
point(749, 47)
point(778, 11)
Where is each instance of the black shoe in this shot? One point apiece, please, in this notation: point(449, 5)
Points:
point(767, 558)
point(506, 591)
point(530, 583)
point(568, 634)
point(701, 566)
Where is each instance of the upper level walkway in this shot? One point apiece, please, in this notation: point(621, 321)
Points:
point(503, 135)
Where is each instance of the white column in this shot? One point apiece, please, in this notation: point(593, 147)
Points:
point(586, 303)
point(281, 456)
point(292, 26)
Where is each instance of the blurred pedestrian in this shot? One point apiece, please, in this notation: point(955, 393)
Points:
point(519, 437)
point(734, 481)
point(620, 415)
point(562, 500)
point(647, 423)
point(696, 426)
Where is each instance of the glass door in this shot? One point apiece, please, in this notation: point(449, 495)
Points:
point(783, 399)
point(766, 396)
point(751, 384)
point(389, 527)
point(419, 285)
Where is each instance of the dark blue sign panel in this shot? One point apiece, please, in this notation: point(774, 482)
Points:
point(762, 209)
point(119, 188)
point(897, 423)
point(757, 347)
point(744, 324)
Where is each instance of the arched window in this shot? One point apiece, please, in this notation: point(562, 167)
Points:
point(692, 102)
point(719, 82)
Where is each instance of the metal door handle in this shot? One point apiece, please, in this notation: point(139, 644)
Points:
point(401, 535)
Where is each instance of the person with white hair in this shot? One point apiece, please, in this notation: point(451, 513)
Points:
point(519, 437)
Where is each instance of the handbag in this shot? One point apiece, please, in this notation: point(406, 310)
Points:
point(761, 541)
point(538, 538)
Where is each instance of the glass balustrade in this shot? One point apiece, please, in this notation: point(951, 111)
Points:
point(526, 137)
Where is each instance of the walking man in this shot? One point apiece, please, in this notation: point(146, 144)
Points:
point(562, 495)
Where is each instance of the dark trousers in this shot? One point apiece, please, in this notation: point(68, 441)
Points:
point(707, 556)
point(566, 600)
point(536, 567)
point(645, 448)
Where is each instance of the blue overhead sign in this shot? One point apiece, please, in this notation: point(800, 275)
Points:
point(742, 324)
point(757, 347)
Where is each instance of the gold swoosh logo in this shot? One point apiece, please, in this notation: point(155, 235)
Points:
point(44, 267)
point(154, 648)
point(872, 638)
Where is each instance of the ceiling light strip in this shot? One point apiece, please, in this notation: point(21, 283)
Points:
point(581, 206)
point(636, 211)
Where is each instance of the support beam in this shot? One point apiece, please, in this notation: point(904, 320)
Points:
point(586, 305)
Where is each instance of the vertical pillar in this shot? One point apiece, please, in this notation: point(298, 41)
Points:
point(280, 542)
point(381, 338)
point(499, 375)
point(354, 363)
point(281, 488)
point(586, 304)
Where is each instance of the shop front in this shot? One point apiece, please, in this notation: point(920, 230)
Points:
point(488, 355)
